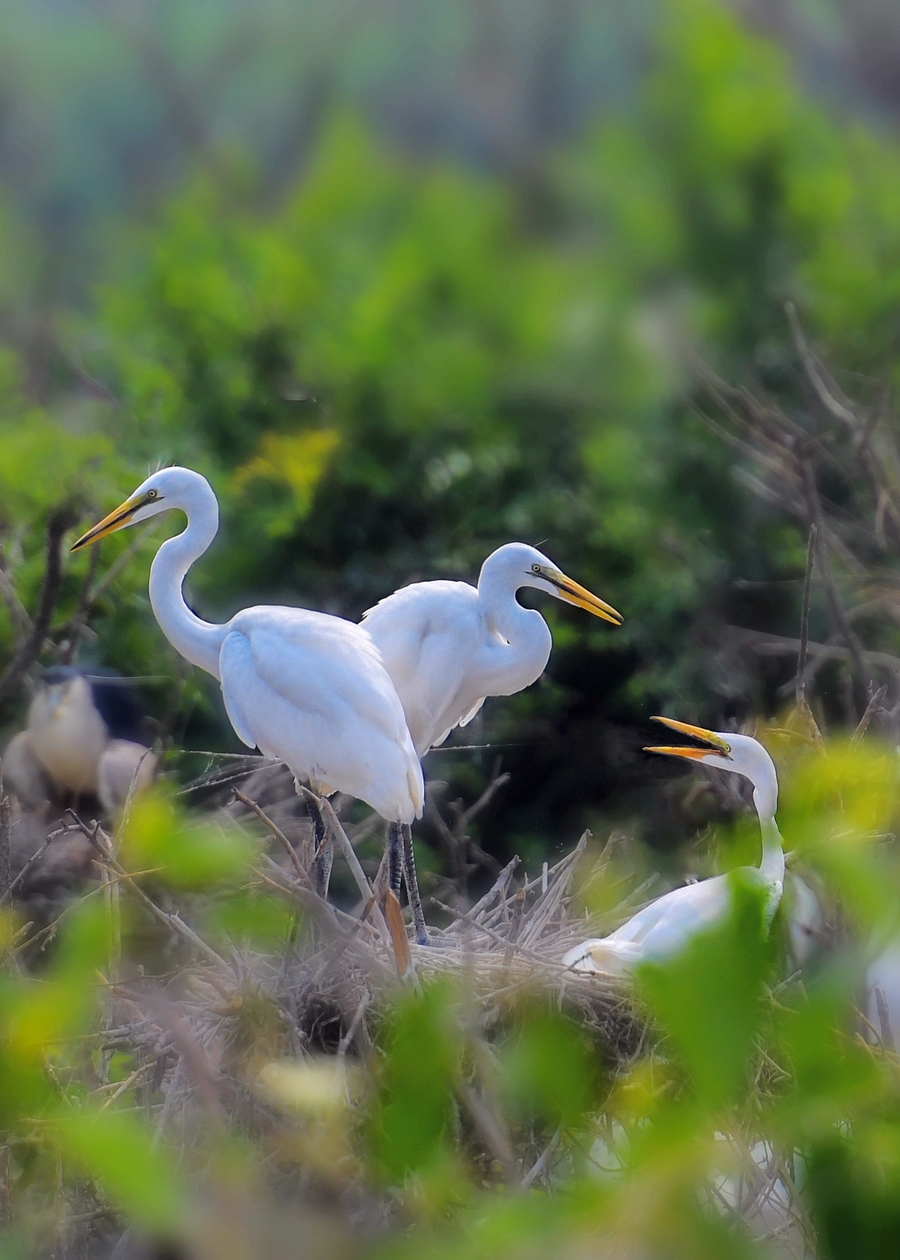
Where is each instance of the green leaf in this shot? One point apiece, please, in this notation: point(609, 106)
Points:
point(421, 1061)
point(115, 1150)
point(707, 997)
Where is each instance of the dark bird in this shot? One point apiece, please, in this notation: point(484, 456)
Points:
point(85, 738)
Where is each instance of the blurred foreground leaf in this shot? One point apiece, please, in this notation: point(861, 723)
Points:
point(420, 1066)
point(707, 997)
point(114, 1150)
point(188, 853)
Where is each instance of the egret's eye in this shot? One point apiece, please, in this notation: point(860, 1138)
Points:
point(151, 494)
point(535, 568)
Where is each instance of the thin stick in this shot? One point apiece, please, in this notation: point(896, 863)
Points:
point(497, 890)
point(488, 1126)
point(884, 1019)
point(35, 857)
point(541, 1163)
point(279, 836)
point(871, 709)
point(347, 1039)
point(340, 835)
point(60, 520)
point(800, 690)
point(839, 616)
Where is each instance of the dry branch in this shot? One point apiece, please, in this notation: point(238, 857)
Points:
point(61, 519)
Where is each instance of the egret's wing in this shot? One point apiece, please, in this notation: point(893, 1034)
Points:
point(428, 635)
point(311, 690)
point(663, 927)
point(473, 712)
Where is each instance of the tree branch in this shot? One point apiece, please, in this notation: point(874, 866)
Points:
point(61, 519)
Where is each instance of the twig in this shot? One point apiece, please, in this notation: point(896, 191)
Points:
point(804, 617)
point(884, 1019)
point(871, 709)
point(347, 1040)
point(841, 624)
point(60, 520)
point(109, 576)
point(343, 840)
point(488, 1126)
point(812, 369)
point(5, 872)
point(541, 1162)
point(35, 857)
point(497, 890)
point(510, 945)
point(172, 921)
point(782, 645)
point(279, 836)
point(76, 624)
point(552, 900)
point(18, 616)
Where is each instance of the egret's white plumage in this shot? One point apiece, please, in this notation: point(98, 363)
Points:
point(449, 645)
point(304, 687)
point(667, 924)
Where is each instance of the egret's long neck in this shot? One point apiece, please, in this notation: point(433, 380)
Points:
point(524, 629)
point(772, 864)
point(198, 641)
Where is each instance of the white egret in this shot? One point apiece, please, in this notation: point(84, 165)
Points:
point(449, 645)
point(667, 924)
point(303, 687)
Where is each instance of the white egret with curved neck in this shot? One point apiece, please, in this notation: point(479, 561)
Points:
point(303, 687)
point(667, 924)
point(449, 645)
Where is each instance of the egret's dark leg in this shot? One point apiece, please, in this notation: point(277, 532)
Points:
point(412, 885)
point(395, 858)
point(323, 849)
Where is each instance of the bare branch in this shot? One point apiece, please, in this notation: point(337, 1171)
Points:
point(804, 617)
point(61, 519)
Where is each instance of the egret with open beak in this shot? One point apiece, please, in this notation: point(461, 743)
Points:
point(665, 926)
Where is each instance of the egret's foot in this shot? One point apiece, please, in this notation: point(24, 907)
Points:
point(395, 858)
point(412, 886)
point(323, 849)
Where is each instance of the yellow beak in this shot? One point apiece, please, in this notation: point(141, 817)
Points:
point(581, 597)
point(117, 519)
point(716, 744)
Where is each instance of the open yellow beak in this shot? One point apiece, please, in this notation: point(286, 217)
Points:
point(715, 743)
point(117, 519)
point(581, 597)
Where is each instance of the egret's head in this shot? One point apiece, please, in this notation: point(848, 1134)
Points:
point(165, 489)
point(530, 567)
point(739, 754)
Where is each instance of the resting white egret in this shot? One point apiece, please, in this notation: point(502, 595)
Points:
point(449, 645)
point(667, 924)
point(83, 738)
point(303, 687)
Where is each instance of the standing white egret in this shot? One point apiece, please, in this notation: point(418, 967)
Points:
point(667, 924)
point(449, 645)
point(303, 687)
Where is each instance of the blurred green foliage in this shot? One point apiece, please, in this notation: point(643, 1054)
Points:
point(399, 364)
point(386, 367)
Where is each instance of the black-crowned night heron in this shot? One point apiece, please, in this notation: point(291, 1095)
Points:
point(82, 739)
